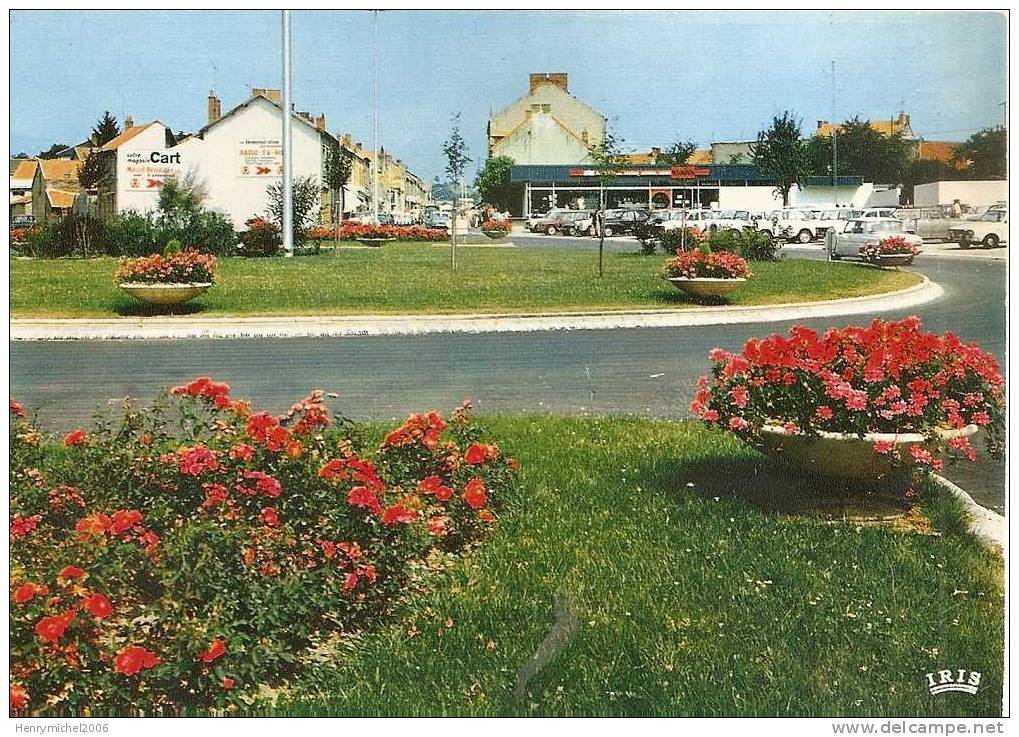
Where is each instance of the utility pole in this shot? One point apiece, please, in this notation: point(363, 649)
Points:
point(834, 140)
point(375, 117)
point(288, 162)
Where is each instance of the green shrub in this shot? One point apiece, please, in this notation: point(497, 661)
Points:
point(261, 239)
point(203, 231)
point(130, 234)
point(77, 235)
point(648, 234)
point(173, 247)
point(41, 242)
point(673, 241)
point(157, 566)
point(751, 245)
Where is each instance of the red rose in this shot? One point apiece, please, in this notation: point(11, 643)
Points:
point(228, 683)
point(98, 606)
point(133, 659)
point(18, 411)
point(479, 453)
point(26, 592)
point(475, 494)
point(19, 697)
point(334, 470)
point(242, 452)
point(53, 628)
point(486, 516)
point(75, 437)
point(70, 572)
point(437, 525)
point(398, 513)
point(270, 518)
point(362, 496)
point(216, 649)
point(124, 519)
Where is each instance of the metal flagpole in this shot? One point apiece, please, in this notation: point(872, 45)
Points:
point(288, 164)
point(375, 118)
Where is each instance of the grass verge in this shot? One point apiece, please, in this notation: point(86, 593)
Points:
point(702, 582)
point(416, 278)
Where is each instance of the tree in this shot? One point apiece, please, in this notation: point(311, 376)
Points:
point(91, 173)
point(457, 158)
point(677, 154)
point(780, 153)
point(864, 152)
point(984, 154)
point(105, 130)
point(180, 200)
point(52, 151)
point(336, 173)
point(607, 157)
point(305, 202)
point(493, 183)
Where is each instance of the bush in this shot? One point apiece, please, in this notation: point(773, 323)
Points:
point(204, 231)
point(889, 377)
point(130, 234)
point(261, 239)
point(41, 242)
point(673, 240)
point(752, 245)
point(648, 235)
point(156, 567)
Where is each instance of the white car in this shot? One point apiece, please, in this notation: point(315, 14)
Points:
point(676, 219)
point(793, 225)
point(731, 219)
point(990, 229)
point(836, 219)
point(864, 232)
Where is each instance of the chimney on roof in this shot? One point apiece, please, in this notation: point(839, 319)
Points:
point(320, 122)
point(269, 94)
point(128, 122)
point(655, 151)
point(820, 123)
point(215, 108)
point(559, 79)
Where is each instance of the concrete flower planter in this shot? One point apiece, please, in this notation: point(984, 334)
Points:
point(705, 287)
point(496, 234)
point(849, 456)
point(165, 294)
point(895, 259)
point(374, 242)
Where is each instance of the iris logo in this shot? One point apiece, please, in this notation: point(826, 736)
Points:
point(953, 680)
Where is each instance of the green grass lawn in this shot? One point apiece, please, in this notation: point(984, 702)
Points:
point(405, 278)
point(702, 582)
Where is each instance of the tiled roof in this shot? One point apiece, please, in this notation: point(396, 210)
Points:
point(59, 170)
point(59, 198)
point(936, 150)
point(699, 158)
point(885, 127)
point(23, 170)
point(127, 136)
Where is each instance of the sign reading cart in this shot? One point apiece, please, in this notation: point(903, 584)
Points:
point(147, 170)
point(261, 157)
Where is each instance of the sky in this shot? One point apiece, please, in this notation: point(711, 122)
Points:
point(658, 77)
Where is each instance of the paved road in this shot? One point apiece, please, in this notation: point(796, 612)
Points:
point(646, 371)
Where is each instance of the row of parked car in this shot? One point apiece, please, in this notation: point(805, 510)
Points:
point(988, 227)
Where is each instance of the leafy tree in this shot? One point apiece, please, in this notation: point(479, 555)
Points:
point(105, 130)
point(493, 183)
point(457, 158)
point(862, 151)
point(677, 154)
point(780, 153)
point(21, 155)
point(52, 151)
point(180, 200)
point(337, 170)
point(607, 157)
point(984, 154)
point(305, 205)
point(91, 172)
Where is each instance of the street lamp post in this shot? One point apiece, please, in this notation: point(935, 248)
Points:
point(288, 163)
point(375, 117)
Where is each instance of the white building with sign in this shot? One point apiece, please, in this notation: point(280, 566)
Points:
point(136, 164)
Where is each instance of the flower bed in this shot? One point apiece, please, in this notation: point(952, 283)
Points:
point(894, 245)
point(186, 267)
point(700, 265)
point(496, 226)
point(155, 567)
point(357, 231)
point(888, 377)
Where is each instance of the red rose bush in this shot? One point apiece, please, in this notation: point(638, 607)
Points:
point(698, 264)
point(496, 226)
point(894, 245)
point(185, 267)
point(355, 231)
point(888, 377)
point(158, 564)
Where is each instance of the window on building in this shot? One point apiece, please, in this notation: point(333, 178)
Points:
point(546, 108)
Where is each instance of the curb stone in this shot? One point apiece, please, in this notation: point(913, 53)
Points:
point(372, 325)
point(987, 525)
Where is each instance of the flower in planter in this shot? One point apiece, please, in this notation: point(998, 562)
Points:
point(893, 245)
point(700, 265)
point(496, 226)
point(887, 377)
point(186, 267)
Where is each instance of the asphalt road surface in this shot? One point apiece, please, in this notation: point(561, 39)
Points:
point(643, 371)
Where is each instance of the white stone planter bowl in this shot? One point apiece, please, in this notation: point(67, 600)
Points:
point(165, 294)
point(705, 287)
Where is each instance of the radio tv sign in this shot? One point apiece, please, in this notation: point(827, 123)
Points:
point(260, 158)
point(146, 171)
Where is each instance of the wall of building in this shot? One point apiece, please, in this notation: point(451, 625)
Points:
point(724, 151)
point(748, 198)
point(135, 169)
point(541, 140)
point(553, 99)
point(976, 193)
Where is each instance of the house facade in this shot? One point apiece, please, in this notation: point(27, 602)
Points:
point(54, 188)
point(548, 125)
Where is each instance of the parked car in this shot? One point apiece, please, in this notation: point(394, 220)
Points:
point(578, 222)
point(793, 225)
point(863, 232)
point(624, 221)
point(879, 212)
point(990, 230)
point(550, 223)
point(437, 219)
point(22, 221)
point(675, 219)
point(731, 219)
point(835, 219)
